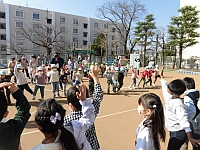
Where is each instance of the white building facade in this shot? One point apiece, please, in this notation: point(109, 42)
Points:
point(195, 49)
point(79, 31)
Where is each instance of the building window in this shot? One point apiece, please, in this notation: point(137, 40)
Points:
point(85, 25)
point(49, 21)
point(3, 47)
point(19, 24)
point(2, 26)
point(75, 40)
point(19, 35)
point(3, 37)
point(19, 45)
point(105, 26)
point(19, 13)
point(95, 33)
point(75, 21)
point(36, 26)
point(95, 24)
point(85, 43)
point(36, 47)
point(2, 15)
point(36, 16)
point(62, 29)
point(62, 19)
point(75, 30)
point(62, 38)
point(85, 34)
point(113, 29)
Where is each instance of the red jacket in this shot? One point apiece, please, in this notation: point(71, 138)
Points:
point(150, 73)
point(144, 73)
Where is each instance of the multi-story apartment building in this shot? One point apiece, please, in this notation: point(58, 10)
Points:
point(192, 50)
point(74, 30)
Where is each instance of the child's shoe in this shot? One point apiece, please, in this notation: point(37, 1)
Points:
point(53, 96)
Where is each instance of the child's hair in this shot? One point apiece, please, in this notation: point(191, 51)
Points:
point(13, 58)
point(45, 112)
point(177, 87)
point(3, 104)
point(156, 120)
point(72, 98)
point(189, 82)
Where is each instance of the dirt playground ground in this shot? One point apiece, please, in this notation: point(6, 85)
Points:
point(118, 118)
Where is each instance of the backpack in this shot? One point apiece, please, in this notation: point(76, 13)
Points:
point(195, 97)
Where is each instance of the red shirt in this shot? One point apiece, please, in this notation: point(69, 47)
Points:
point(149, 73)
point(144, 73)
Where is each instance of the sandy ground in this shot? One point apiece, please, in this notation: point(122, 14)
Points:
point(116, 122)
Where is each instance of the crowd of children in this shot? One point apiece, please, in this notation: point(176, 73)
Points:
point(76, 131)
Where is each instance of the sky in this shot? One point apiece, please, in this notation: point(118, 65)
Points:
point(163, 10)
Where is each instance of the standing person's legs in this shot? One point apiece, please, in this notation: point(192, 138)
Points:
point(140, 81)
point(27, 74)
point(35, 91)
point(71, 74)
point(185, 145)
point(144, 83)
point(64, 88)
point(42, 92)
point(138, 72)
point(57, 88)
point(8, 95)
point(150, 81)
point(53, 86)
point(108, 83)
point(21, 87)
point(120, 85)
point(28, 88)
point(176, 140)
point(114, 85)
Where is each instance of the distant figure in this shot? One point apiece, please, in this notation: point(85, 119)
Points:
point(40, 60)
point(152, 63)
point(24, 63)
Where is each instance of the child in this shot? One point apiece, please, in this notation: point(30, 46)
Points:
point(49, 120)
point(54, 79)
point(5, 78)
point(176, 116)
point(120, 79)
point(115, 79)
point(143, 77)
point(149, 75)
point(156, 74)
point(33, 65)
point(190, 100)
point(21, 80)
point(78, 77)
point(76, 113)
point(109, 75)
point(151, 129)
point(85, 70)
point(64, 79)
point(11, 130)
point(134, 77)
point(41, 78)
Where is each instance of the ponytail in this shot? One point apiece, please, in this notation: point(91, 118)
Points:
point(67, 140)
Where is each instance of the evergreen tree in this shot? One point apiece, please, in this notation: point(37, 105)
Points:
point(144, 32)
point(182, 29)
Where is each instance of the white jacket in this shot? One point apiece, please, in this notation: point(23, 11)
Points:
point(176, 116)
point(144, 140)
point(79, 127)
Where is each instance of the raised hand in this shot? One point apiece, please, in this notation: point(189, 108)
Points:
point(11, 86)
point(82, 92)
point(94, 71)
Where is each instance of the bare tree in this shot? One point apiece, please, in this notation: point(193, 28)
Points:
point(122, 14)
point(45, 36)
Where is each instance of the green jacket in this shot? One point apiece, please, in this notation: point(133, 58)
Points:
point(11, 131)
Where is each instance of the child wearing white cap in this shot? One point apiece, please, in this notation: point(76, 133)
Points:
point(78, 77)
point(54, 79)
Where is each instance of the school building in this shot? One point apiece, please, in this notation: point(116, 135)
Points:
point(193, 50)
point(77, 31)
